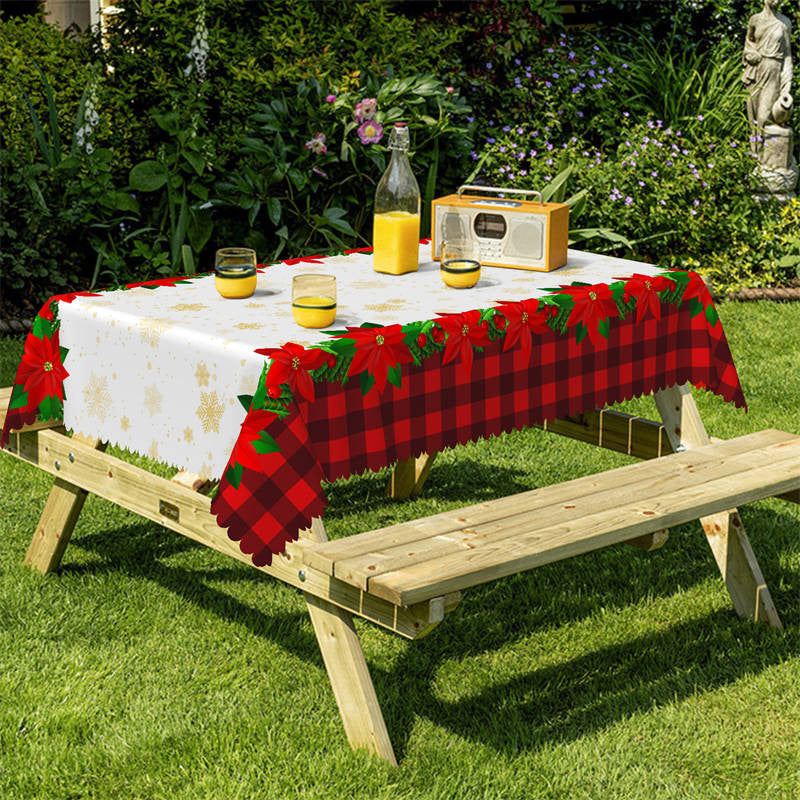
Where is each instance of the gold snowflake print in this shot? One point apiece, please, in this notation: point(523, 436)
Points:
point(96, 396)
point(248, 326)
point(210, 411)
point(189, 307)
point(124, 423)
point(151, 329)
point(152, 400)
point(253, 305)
point(188, 434)
point(201, 373)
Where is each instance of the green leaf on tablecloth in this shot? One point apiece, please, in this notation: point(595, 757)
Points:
point(42, 328)
point(580, 332)
point(19, 397)
point(394, 376)
point(63, 353)
point(604, 327)
point(266, 444)
point(234, 475)
point(487, 314)
point(695, 306)
point(711, 315)
point(50, 408)
point(367, 382)
point(371, 325)
point(246, 400)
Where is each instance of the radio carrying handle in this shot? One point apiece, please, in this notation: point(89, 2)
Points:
point(501, 190)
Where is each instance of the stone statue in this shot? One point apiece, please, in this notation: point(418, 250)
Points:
point(768, 76)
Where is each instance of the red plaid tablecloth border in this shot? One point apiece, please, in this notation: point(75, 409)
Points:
point(438, 406)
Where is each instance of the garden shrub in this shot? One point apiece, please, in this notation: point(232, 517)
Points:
point(682, 201)
point(29, 49)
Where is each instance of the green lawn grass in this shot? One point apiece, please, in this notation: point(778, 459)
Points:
point(151, 667)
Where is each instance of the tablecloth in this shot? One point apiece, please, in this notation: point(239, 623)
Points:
point(416, 367)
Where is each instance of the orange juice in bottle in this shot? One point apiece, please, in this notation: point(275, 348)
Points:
point(395, 232)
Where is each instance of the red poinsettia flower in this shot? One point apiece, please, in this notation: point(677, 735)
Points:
point(593, 304)
point(463, 331)
point(695, 288)
point(377, 350)
point(521, 319)
point(47, 311)
point(645, 289)
point(243, 452)
point(291, 364)
point(41, 370)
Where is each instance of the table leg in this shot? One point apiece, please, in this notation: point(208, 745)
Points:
point(348, 671)
point(725, 532)
point(61, 512)
point(409, 476)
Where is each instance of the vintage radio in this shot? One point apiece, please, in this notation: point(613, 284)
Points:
point(522, 234)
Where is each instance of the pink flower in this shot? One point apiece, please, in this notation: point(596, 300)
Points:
point(366, 109)
point(331, 98)
point(370, 132)
point(317, 144)
point(450, 89)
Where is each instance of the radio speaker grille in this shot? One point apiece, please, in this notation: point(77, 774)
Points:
point(526, 238)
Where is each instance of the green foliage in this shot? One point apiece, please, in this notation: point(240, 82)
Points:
point(296, 199)
point(679, 201)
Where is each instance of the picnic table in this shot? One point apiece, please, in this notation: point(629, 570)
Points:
point(257, 414)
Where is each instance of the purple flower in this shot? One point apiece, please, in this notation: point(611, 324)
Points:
point(547, 84)
point(470, 119)
point(490, 140)
point(520, 155)
point(473, 155)
point(502, 148)
point(511, 176)
point(317, 144)
point(591, 73)
point(641, 183)
point(488, 65)
point(571, 54)
point(700, 117)
point(533, 154)
point(625, 114)
point(549, 161)
point(579, 113)
point(520, 130)
point(365, 110)
point(628, 201)
point(331, 98)
point(506, 128)
point(549, 145)
point(654, 174)
point(556, 76)
point(370, 132)
point(319, 172)
point(523, 172)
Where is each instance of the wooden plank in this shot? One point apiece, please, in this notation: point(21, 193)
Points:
point(409, 476)
point(790, 497)
point(535, 545)
point(724, 531)
point(54, 529)
point(423, 465)
point(191, 480)
point(650, 541)
point(614, 430)
point(607, 491)
point(187, 512)
point(348, 672)
point(404, 476)
point(543, 501)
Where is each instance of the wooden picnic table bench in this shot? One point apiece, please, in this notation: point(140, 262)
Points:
point(407, 576)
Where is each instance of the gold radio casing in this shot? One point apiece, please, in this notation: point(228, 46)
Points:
point(521, 234)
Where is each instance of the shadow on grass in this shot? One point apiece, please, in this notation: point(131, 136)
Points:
point(556, 703)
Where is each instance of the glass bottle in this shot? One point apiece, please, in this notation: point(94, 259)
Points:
point(395, 231)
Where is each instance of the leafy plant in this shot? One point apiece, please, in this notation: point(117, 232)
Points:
point(301, 191)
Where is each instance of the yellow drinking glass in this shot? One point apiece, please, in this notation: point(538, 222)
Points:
point(460, 265)
point(235, 271)
point(314, 300)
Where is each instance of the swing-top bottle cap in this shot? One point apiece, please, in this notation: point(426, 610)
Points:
point(401, 124)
